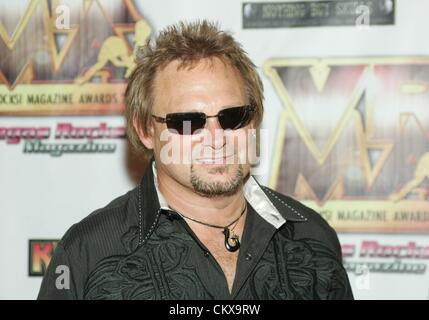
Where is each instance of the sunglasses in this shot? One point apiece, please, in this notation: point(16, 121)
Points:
point(186, 123)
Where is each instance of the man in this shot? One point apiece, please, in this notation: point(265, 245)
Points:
point(198, 226)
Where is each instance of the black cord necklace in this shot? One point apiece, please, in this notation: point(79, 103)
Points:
point(232, 240)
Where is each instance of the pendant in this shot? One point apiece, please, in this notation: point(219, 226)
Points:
point(232, 242)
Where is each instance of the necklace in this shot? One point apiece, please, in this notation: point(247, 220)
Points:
point(232, 240)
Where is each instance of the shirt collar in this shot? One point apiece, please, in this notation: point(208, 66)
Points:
point(256, 197)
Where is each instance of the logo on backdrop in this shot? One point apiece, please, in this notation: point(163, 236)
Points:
point(377, 257)
point(40, 253)
point(362, 13)
point(64, 138)
point(353, 140)
point(67, 59)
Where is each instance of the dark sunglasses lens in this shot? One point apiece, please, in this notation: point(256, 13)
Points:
point(235, 118)
point(186, 123)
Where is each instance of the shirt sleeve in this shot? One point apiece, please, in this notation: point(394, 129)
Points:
point(340, 288)
point(61, 280)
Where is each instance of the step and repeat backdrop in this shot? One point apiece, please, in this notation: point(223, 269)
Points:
point(346, 110)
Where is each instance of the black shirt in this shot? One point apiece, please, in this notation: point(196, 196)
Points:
point(135, 248)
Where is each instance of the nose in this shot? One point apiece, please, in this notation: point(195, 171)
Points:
point(216, 138)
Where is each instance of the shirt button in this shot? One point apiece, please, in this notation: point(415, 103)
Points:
point(206, 254)
point(248, 256)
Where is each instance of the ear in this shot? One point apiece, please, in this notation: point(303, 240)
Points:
point(145, 138)
point(252, 124)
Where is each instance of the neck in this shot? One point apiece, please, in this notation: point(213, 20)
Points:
point(219, 210)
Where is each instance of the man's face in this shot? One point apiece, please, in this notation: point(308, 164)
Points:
point(208, 162)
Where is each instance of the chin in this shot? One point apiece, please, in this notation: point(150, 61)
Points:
point(217, 180)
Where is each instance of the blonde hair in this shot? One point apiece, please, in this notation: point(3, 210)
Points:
point(187, 43)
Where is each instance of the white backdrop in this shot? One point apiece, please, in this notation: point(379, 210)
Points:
point(42, 196)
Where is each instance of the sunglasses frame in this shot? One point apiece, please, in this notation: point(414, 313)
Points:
point(249, 108)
